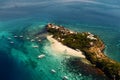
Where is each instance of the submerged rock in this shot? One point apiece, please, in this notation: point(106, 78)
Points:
point(91, 45)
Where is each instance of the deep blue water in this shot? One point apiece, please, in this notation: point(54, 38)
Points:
point(10, 69)
point(18, 61)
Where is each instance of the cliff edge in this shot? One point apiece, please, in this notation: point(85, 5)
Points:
point(91, 45)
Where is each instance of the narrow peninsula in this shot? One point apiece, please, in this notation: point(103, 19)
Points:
point(91, 45)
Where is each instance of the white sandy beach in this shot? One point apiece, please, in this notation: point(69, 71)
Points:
point(60, 48)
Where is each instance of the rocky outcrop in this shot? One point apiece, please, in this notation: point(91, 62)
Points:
point(90, 44)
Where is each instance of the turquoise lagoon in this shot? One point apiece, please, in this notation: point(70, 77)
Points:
point(19, 61)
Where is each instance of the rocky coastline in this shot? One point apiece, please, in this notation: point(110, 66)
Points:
point(91, 45)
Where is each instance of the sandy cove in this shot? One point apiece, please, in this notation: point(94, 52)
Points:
point(60, 48)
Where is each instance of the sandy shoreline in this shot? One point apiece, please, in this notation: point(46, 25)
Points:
point(58, 47)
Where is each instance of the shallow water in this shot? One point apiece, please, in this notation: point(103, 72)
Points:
point(19, 61)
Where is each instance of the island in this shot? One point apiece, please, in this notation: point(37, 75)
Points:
point(90, 45)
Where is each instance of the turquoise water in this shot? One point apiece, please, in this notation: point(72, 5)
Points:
point(19, 61)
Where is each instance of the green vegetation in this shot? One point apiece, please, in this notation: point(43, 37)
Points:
point(93, 52)
point(76, 41)
point(110, 67)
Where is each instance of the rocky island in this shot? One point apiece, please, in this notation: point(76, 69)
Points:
point(91, 46)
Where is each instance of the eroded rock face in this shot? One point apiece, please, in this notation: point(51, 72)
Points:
point(75, 65)
point(90, 44)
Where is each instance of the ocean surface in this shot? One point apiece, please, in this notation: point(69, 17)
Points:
point(18, 60)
